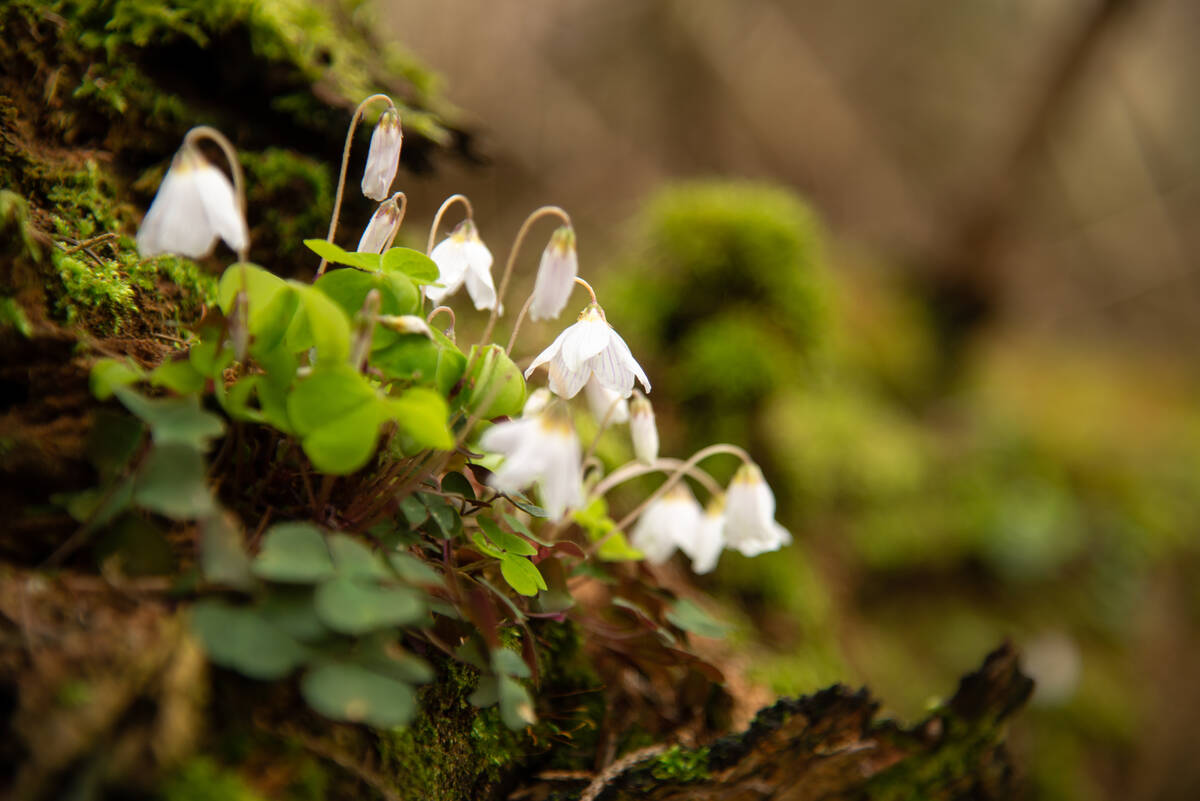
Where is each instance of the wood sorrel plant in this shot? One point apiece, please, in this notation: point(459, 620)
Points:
point(383, 470)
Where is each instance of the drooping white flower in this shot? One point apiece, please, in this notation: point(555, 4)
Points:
point(383, 157)
point(590, 347)
point(606, 405)
point(750, 525)
point(462, 257)
point(381, 229)
point(542, 449)
point(555, 276)
point(666, 524)
point(194, 206)
point(705, 546)
point(643, 430)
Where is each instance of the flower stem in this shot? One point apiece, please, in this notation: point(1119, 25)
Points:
point(235, 167)
point(673, 479)
point(341, 186)
point(399, 218)
point(512, 260)
point(437, 218)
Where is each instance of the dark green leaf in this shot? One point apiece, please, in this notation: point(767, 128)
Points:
point(516, 707)
point(414, 570)
point(690, 617)
point(354, 559)
point(509, 663)
point(223, 557)
point(294, 553)
point(353, 693)
point(352, 606)
point(487, 692)
point(112, 441)
point(174, 420)
point(503, 539)
point(239, 638)
point(290, 609)
point(172, 482)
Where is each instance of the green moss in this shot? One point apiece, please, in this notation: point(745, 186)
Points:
point(290, 198)
point(107, 292)
point(945, 772)
point(680, 764)
point(202, 779)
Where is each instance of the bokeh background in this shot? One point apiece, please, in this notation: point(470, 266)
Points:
point(935, 263)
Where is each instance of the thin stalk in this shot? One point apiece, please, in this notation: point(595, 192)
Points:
point(437, 218)
point(512, 260)
point(512, 338)
point(673, 479)
point(239, 182)
point(341, 185)
point(399, 219)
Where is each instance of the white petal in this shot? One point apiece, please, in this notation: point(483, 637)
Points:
point(623, 354)
point(555, 280)
point(221, 207)
point(479, 283)
point(605, 404)
point(548, 354)
point(566, 383)
point(705, 548)
point(383, 157)
point(612, 372)
point(176, 221)
point(644, 433)
point(584, 340)
point(451, 261)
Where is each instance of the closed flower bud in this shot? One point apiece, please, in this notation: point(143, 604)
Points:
point(383, 158)
point(406, 324)
point(536, 402)
point(555, 276)
point(494, 387)
point(194, 206)
point(382, 227)
point(705, 544)
point(643, 430)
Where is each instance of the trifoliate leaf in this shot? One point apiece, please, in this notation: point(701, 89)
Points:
point(172, 482)
point(353, 606)
point(353, 693)
point(690, 617)
point(521, 574)
point(294, 553)
point(239, 638)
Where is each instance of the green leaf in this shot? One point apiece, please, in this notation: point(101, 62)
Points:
point(332, 253)
point(509, 663)
point(345, 445)
point(422, 414)
point(321, 324)
point(269, 322)
point(138, 546)
point(179, 376)
point(109, 374)
point(174, 421)
point(690, 617)
point(329, 393)
point(413, 263)
point(485, 547)
point(410, 357)
point(172, 482)
point(294, 553)
point(503, 539)
point(353, 693)
point(414, 510)
point(414, 570)
point(487, 692)
point(290, 609)
point(594, 520)
point(348, 289)
point(444, 515)
point(261, 286)
point(351, 606)
point(352, 558)
point(526, 506)
point(516, 707)
point(521, 574)
point(223, 557)
point(239, 638)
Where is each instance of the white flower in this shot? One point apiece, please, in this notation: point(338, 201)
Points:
point(460, 257)
point(536, 402)
point(542, 449)
point(195, 204)
point(704, 548)
point(381, 230)
point(555, 276)
point(642, 430)
point(383, 158)
point(590, 347)
point(606, 405)
point(750, 525)
point(666, 524)
point(406, 324)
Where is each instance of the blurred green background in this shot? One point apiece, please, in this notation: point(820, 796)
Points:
point(934, 263)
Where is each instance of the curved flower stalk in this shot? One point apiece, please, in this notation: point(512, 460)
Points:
point(195, 205)
point(383, 156)
point(556, 276)
point(590, 347)
point(750, 525)
point(541, 449)
point(668, 523)
point(463, 258)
